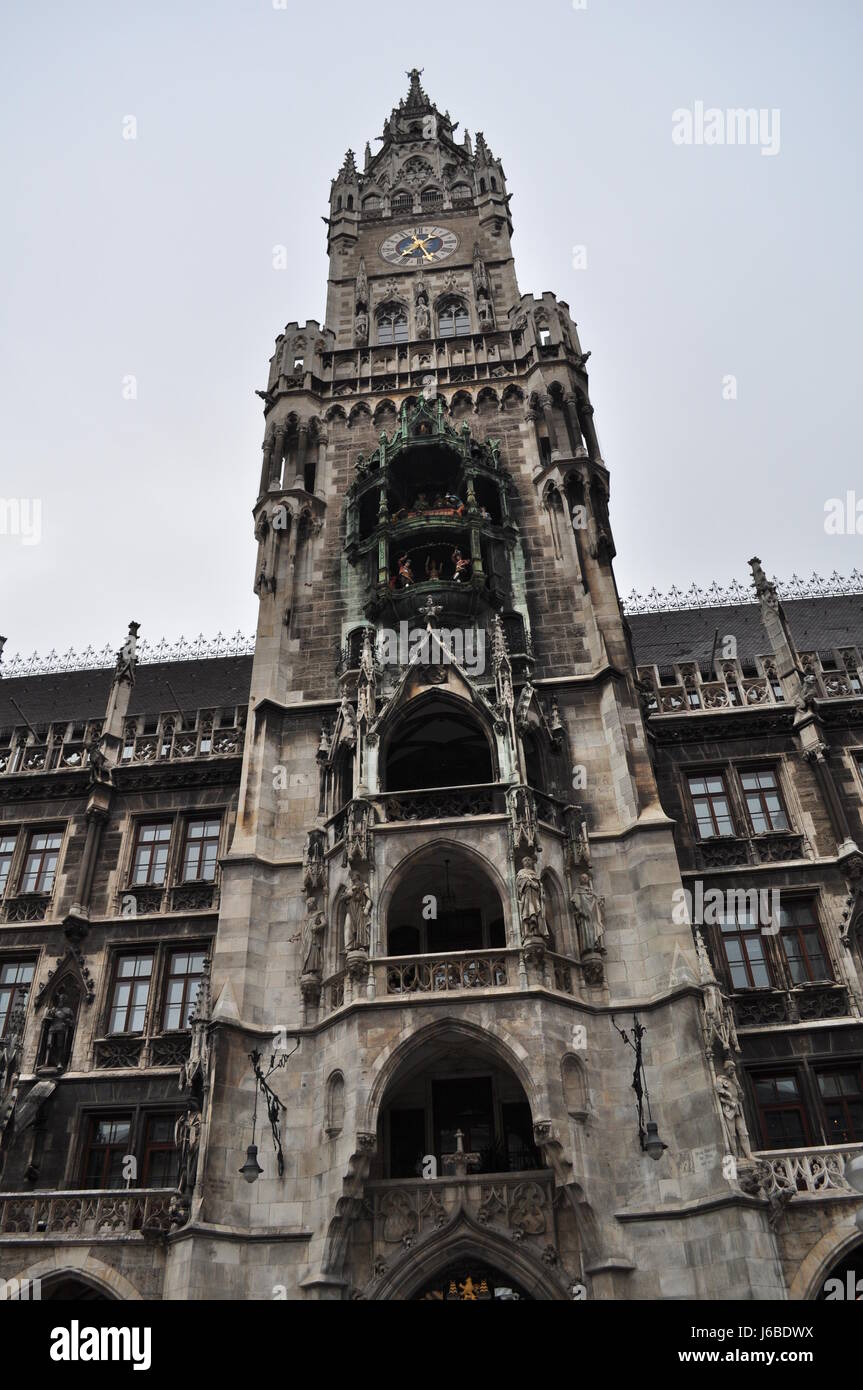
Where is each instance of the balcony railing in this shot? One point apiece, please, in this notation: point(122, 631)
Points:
point(808, 1004)
point(731, 851)
point(807, 1172)
point(442, 803)
point(93, 1214)
point(447, 974)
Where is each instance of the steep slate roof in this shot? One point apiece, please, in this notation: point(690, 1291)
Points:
point(817, 625)
point(80, 695)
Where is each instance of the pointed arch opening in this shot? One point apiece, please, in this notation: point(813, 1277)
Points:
point(444, 903)
point(438, 742)
point(455, 1092)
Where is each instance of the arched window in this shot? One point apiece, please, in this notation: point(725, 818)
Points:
point(335, 1105)
point(431, 198)
point(350, 202)
point(338, 205)
point(482, 186)
point(372, 204)
point(392, 326)
point(454, 320)
point(402, 202)
point(493, 184)
point(461, 193)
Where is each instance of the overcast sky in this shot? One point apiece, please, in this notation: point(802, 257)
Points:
point(153, 258)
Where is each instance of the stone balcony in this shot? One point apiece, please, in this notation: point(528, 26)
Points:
point(455, 974)
point(787, 1173)
point(91, 1215)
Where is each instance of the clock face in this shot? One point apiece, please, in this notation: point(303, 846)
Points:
point(421, 246)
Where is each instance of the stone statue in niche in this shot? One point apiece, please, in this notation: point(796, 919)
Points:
point(57, 1033)
point(588, 909)
point(531, 900)
point(731, 1104)
point(423, 321)
point(313, 940)
point(358, 919)
point(362, 327)
point(187, 1137)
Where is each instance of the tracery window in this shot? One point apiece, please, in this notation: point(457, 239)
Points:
point(454, 320)
point(392, 327)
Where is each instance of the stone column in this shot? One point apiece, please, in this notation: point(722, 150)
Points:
point(570, 414)
point(585, 415)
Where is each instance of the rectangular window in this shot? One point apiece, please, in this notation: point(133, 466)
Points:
point(803, 943)
point(185, 972)
point(781, 1112)
point(160, 1152)
point(130, 993)
point(108, 1139)
point(711, 806)
point(842, 1098)
point(743, 944)
point(764, 801)
point(7, 850)
point(16, 977)
point(150, 863)
point(201, 850)
point(40, 864)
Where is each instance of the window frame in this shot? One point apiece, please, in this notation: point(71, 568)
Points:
point(15, 988)
point(39, 888)
point(759, 770)
point(93, 1118)
point(459, 310)
point(15, 836)
point(148, 1148)
point(810, 901)
point(188, 841)
point(139, 825)
point(115, 980)
point(705, 775)
point(166, 977)
point(761, 1109)
point(741, 931)
point(820, 1069)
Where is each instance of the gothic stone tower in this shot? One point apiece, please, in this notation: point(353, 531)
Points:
point(451, 881)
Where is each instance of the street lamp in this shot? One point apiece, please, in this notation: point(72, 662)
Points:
point(648, 1131)
point(251, 1169)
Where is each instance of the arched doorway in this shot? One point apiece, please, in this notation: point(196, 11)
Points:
point(452, 1095)
point(844, 1282)
point(72, 1288)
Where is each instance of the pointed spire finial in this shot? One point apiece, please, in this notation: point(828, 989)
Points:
point(416, 95)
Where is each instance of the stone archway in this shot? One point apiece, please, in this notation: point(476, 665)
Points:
point(826, 1255)
point(468, 1246)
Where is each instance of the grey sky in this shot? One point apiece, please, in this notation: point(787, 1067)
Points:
point(153, 257)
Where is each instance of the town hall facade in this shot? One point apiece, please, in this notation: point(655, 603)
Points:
point(471, 936)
